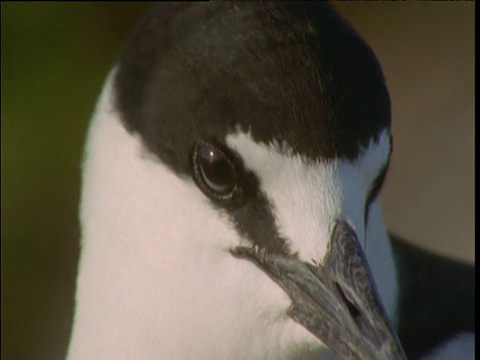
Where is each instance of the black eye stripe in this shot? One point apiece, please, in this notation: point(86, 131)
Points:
point(219, 173)
point(377, 185)
point(375, 190)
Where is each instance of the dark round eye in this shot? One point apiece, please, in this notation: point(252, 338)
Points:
point(214, 170)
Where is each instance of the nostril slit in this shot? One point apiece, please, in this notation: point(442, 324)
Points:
point(352, 309)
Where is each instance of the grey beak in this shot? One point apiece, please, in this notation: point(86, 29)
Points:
point(336, 301)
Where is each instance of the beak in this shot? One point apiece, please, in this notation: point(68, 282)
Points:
point(336, 301)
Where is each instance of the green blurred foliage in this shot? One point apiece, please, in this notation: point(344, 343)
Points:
point(55, 56)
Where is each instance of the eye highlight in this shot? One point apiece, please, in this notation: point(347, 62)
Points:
point(214, 171)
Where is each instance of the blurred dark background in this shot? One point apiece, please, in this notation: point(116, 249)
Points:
point(55, 57)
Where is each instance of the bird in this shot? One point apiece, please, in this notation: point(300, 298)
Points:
point(230, 199)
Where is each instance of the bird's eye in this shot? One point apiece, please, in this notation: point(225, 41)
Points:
point(214, 171)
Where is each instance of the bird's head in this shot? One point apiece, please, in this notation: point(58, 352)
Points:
point(231, 190)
